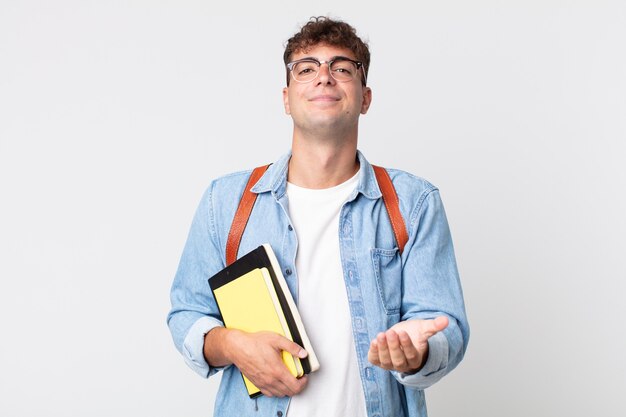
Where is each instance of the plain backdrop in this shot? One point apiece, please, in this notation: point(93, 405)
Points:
point(115, 116)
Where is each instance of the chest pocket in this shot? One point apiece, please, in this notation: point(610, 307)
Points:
point(388, 270)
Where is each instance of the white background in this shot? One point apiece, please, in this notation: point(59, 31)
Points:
point(115, 115)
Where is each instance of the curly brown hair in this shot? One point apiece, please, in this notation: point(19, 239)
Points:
point(324, 30)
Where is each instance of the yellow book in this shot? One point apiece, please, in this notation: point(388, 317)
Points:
point(250, 303)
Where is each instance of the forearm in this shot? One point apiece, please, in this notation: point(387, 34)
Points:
point(216, 351)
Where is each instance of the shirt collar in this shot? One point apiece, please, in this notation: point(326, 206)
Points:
point(274, 180)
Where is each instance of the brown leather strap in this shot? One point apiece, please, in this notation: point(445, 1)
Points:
point(392, 204)
point(242, 215)
point(390, 198)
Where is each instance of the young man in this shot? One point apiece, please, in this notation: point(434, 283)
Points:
point(385, 323)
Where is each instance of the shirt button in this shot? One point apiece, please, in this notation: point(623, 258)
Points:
point(279, 413)
point(290, 228)
point(288, 271)
point(353, 278)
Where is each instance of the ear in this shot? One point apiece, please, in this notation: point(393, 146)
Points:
point(367, 99)
point(286, 100)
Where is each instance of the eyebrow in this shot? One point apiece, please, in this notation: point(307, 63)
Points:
point(334, 58)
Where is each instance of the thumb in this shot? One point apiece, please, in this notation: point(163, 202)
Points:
point(435, 325)
point(291, 347)
point(441, 323)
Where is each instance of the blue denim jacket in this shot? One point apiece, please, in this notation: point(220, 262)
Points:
point(383, 286)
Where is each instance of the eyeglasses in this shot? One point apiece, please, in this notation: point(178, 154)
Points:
point(341, 68)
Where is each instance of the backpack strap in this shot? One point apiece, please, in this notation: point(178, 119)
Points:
point(390, 198)
point(392, 204)
point(242, 215)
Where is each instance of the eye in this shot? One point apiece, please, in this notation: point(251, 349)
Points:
point(344, 67)
point(305, 67)
point(344, 70)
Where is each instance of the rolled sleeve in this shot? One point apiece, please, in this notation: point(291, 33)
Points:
point(193, 346)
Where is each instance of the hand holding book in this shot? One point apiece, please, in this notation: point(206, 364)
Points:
point(259, 357)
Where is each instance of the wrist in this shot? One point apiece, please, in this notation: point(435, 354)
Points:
point(217, 342)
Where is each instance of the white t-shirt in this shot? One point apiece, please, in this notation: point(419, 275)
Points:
point(335, 389)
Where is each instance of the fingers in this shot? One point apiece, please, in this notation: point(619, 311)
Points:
point(288, 346)
point(281, 383)
point(384, 357)
point(394, 351)
point(281, 388)
point(383, 350)
point(373, 355)
point(265, 367)
point(397, 357)
point(412, 356)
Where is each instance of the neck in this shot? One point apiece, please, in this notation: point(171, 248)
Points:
point(321, 164)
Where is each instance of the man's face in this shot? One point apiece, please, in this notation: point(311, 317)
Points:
point(325, 104)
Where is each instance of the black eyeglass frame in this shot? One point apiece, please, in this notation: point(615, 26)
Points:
point(358, 64)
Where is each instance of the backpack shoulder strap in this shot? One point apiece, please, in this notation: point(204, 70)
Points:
point(390, 198)
point(392, 204)
point(242, 215)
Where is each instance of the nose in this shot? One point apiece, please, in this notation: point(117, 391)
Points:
point(324, 76)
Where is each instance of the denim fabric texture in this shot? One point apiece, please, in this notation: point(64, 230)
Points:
point(383, 286)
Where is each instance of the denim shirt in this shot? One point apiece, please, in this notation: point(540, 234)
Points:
point(383, 286)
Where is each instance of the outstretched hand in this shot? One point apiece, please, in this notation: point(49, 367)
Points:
point(404, 347)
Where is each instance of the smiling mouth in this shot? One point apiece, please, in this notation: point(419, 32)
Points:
point(325, 98)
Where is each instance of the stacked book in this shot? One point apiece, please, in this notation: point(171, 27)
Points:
point(252, 295)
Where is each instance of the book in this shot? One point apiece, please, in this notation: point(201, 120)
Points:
point(252, 295)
